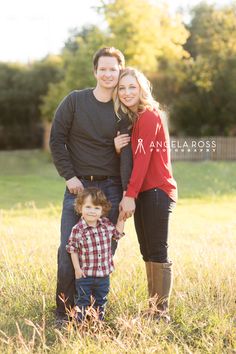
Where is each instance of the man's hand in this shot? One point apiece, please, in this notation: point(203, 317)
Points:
point(74, 185)
point(127, 208)
point(79, 274)
point(120, 141)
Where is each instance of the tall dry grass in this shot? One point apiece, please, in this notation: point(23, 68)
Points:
point(202, 247)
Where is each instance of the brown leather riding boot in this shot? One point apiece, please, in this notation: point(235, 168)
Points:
point(148, 266)
point(162, 280)
point(148, 312)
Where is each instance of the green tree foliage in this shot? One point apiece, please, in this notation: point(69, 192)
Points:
point(21, 88)
point(192, 68)
point(212, 31)
point(77, 66)
point(145, 32)
point(206, 104)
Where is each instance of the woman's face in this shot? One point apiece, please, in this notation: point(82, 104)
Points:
point(129, 92)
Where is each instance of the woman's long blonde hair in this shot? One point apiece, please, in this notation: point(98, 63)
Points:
point(146, 100)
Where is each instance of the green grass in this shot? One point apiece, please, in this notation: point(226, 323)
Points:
point(206, 180)
point(28, 177)
point(202, 247)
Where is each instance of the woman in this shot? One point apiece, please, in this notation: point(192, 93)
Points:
point(151, 183)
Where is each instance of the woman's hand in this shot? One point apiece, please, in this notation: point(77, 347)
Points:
point(120, 141)
point(126, 208)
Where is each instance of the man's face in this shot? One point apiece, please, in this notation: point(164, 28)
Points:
point(107, 73)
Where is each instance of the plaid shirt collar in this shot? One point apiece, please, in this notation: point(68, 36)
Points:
point(83, 224)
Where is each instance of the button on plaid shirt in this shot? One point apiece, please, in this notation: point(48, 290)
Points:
point(93, 245)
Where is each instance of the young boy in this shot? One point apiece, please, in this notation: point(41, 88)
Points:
point(90, 248)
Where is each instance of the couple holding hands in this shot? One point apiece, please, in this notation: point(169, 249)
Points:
point(111, 145)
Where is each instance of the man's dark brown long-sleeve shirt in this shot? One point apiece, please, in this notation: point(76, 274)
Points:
point(82, 138)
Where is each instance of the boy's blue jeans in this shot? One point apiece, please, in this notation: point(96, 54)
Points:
point(98, 287)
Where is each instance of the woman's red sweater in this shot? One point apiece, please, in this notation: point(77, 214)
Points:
point(151, 157)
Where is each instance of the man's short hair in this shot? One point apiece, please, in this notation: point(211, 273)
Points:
point(109, 52)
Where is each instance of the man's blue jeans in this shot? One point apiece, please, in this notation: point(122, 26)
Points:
point(65, 272)
point(98, 287)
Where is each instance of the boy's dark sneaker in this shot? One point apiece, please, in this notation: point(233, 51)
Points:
point(61, 321)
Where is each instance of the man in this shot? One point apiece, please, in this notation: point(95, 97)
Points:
point(83, 151)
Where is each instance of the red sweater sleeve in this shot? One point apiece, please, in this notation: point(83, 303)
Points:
point(145, 133)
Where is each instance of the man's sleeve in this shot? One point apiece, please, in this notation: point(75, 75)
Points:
point(59, 136)
point(126, 159)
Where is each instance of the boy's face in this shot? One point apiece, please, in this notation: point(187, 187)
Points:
point(90, 212)
point(107, 72)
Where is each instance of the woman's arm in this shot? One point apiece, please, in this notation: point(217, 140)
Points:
point(148, 127)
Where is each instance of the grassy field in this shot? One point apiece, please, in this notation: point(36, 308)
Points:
point(202, 247)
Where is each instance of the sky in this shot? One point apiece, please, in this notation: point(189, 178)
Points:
point(30, 29)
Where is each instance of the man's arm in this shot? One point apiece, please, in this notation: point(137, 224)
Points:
point(60, 131)
point(126, 159)
point(58, 138)
point(127, 205)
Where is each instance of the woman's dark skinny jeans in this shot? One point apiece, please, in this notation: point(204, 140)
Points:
point(153, 208)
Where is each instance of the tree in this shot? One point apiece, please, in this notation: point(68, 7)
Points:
point(206, 105)
point(145, 32)
point(77, 66)
point(21, 88)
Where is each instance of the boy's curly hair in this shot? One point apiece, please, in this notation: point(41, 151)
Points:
point(97, 196)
